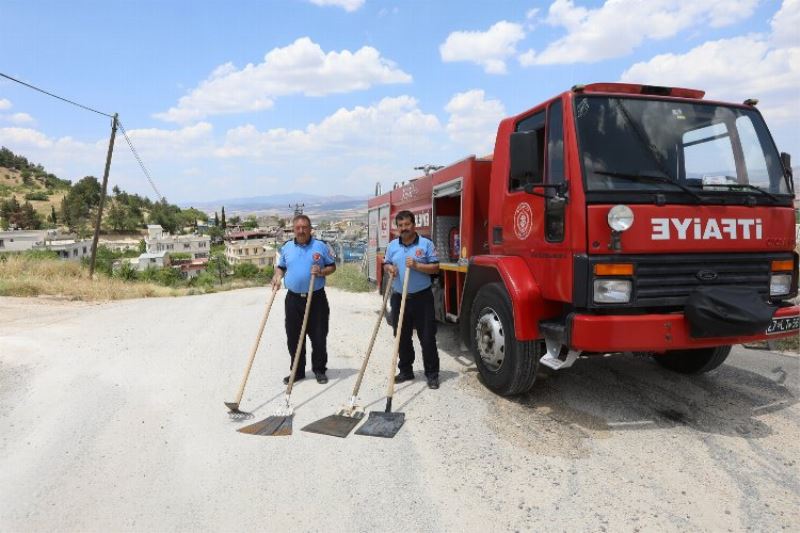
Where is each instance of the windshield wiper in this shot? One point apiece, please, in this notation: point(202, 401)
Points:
point(650, 178)
point(746, 186)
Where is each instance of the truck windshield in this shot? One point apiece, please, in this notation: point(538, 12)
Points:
point(638, 144)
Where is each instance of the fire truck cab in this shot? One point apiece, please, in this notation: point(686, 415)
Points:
point(610, 218)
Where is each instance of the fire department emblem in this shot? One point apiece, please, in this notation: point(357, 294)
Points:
point(523, 220)
point(418, 253)
point(316, 256)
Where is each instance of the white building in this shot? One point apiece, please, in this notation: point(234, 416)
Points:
point(147, 260)
point(71, 249)
point(157, 240)
point(255, 246)
point(20, 240)
point(256, 251)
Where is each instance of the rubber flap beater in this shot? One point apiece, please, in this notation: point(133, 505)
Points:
point(727, 312)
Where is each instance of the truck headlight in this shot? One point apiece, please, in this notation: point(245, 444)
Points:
point(612, 291)
point(620, 218)
point(780, 284)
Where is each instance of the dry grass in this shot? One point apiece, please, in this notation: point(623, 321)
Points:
point(22, 276)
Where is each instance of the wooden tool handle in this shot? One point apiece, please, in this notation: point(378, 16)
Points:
point(390, 386)
point(386, 294)
point(255, 345)
point(296, 361)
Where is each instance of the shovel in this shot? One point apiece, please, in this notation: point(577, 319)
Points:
point(233, 407)
point(280, 424)
point(348, 416)
point(386, 424)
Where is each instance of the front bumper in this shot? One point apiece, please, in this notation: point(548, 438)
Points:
point(652, 332)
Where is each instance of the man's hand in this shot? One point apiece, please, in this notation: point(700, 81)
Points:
point(390, 269)
point(316, 270)
point(276, 282)
point(411, 263)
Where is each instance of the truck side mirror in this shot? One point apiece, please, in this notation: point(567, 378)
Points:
point(525, 158)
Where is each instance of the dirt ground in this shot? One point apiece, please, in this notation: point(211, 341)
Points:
point(112, 419)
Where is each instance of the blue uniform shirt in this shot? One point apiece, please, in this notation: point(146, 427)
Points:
point(296, 261)
point(422, 251)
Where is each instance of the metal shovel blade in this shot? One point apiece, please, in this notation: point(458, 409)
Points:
point(334, 425)
point(381, 424)
point(272, 426)
point(233, 409)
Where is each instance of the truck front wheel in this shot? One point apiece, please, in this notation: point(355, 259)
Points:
point(697, 361)
point(507, 366)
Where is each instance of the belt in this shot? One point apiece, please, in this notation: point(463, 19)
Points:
point(302, 294)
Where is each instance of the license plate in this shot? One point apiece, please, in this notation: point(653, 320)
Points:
point(782, 325)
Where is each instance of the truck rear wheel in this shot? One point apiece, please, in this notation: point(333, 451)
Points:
point(507, 366)
point(697, 361)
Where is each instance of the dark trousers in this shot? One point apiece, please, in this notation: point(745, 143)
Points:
point(316, 330)
point(419, 315)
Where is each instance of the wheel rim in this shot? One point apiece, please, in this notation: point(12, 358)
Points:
point(490, 339)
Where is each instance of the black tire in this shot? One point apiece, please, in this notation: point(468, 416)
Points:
point(697, 361)
point(515, 371)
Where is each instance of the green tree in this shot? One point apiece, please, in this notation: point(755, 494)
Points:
point(79, 202)
point(166, 215)
point(245, 270)
point(250, 223)
point(219, 265)
point(53, 217)
point(236, 220)
point(224, 223)
point(142, 246)
point(216, 219)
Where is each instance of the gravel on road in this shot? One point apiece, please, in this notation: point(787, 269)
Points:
point(112, 419)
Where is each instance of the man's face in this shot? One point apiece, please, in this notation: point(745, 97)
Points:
point(302, 230)
point(406, 227)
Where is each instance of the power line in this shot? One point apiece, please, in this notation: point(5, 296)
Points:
point(139, 160)
point(124, 133)
point(55, 96)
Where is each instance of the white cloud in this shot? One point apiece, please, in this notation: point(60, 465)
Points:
point(21, 118)
point(5, 103)
point(619, 26)
point(347, 5)
point(368, 132)
point(735, 69)
point(300, 68)
point(785, 24)
point(473, 120)
point(188, 142)
point(489, 49)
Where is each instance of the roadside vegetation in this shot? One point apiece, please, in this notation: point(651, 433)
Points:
point(349, 277)
point(41, 273)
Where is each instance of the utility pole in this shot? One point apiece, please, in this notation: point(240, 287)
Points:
point(103, 194)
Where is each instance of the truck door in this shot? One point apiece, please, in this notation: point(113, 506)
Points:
point(535, 225)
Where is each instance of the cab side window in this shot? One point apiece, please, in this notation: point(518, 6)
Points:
point(534, 123)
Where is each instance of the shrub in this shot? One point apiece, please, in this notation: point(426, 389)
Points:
point(37, 196)
point(245, 271)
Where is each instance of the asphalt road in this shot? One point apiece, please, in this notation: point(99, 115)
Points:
point(112, 419)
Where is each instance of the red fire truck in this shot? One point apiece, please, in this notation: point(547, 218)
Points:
point(611, 218)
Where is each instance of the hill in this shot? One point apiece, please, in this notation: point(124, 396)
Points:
point(30, 182)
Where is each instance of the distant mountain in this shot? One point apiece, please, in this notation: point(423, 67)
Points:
point(284, 202)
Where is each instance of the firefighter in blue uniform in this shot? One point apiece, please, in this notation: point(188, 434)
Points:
point(301, 257)
point(412, 250)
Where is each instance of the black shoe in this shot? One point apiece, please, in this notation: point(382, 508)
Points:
point(433, 382)
point(297, 378)
point(403, 376)
point(321, 377)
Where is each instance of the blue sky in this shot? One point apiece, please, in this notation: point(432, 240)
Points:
point(245, 98)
